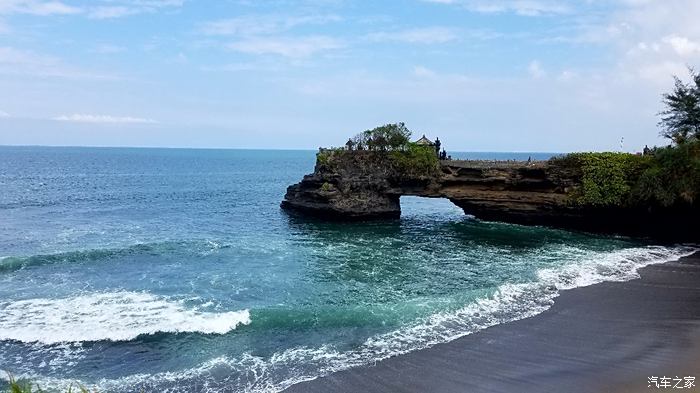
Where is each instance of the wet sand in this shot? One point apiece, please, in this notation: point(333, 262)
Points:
point(608, 337)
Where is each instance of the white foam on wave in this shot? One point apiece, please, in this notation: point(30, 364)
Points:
point(510, 302)
point(112, 316)
point(622, 265)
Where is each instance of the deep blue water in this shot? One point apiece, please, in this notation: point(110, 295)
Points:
point(174, 270)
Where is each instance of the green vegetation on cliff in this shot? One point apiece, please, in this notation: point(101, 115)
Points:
point(671, 177)
point(667, 177)
point(606, 179)
point(388, 147)
point(663, 177)
point(415, 161)
point(386, 137)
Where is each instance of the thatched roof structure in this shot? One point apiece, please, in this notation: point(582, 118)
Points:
point(425, 141)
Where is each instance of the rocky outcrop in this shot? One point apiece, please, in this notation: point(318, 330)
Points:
point(366, 185)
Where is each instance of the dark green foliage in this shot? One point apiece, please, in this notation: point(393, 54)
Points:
point(323, 156)
point(386, 137)
point(681, 119)
point(606, 178)
point(671, 178)
point(388, 147)
point(668, 177)
point(415, 161)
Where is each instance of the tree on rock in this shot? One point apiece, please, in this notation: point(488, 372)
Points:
point(681, 119)
point(387, 137)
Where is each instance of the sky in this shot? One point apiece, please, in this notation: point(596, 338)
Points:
point(499, 75)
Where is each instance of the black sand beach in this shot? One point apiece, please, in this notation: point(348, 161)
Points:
point(608, 337)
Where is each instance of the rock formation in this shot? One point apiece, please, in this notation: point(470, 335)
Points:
point(367, 185)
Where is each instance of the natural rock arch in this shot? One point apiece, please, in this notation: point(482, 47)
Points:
point(363, 186)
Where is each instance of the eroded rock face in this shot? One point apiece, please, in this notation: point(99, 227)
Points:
point(356, 186)
point(365, 186)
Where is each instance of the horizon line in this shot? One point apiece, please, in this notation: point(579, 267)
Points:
point(247, 148)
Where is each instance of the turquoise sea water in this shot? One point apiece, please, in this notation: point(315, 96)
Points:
point(171, 270)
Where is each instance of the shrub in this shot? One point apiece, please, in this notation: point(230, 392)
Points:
point(606, 178)
point(671, 178)
point(415, 161)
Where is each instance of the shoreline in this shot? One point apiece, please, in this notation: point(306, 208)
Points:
point(605, 337)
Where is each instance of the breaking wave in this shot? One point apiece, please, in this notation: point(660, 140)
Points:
point(110, 316)
point(12, 263)
point(509, 302)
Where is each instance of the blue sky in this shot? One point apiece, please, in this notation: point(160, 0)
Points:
point(500, 75)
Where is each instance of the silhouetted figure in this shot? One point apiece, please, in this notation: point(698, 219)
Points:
point(529, 160)
point(437, 147)
point(647, 150)
point(349, 144)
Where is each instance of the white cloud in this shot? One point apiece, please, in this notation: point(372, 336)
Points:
point(37, 7)
point(660, 72)
point(519, 7)
point(423, 72)
point(108, 12)
point(682, 45)
point(243, 66)
point(115, 9)
point(109, 49)
point(123, 8)
point(251, 25)
point(428, 35)
point(293, 47)
point(535, 70)
point(567, 75)
point(649, 41)
point(262, 35)
point(104, 119)
point(22, 60)
point(15, 61)
point(4, 114)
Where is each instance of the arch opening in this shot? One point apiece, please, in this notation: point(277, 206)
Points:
point(429, 207)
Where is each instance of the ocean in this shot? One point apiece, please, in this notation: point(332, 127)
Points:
point(174, 270)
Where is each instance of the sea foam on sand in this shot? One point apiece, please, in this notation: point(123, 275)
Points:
point(509, 302)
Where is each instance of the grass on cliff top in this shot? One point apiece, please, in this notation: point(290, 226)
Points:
point(669, 176)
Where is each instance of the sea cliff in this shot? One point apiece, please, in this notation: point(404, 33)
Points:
point(352, 185)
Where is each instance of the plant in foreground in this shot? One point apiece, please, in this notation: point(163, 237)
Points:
point(27, 387)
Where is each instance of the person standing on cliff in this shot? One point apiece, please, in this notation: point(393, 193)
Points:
point(437, 147)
